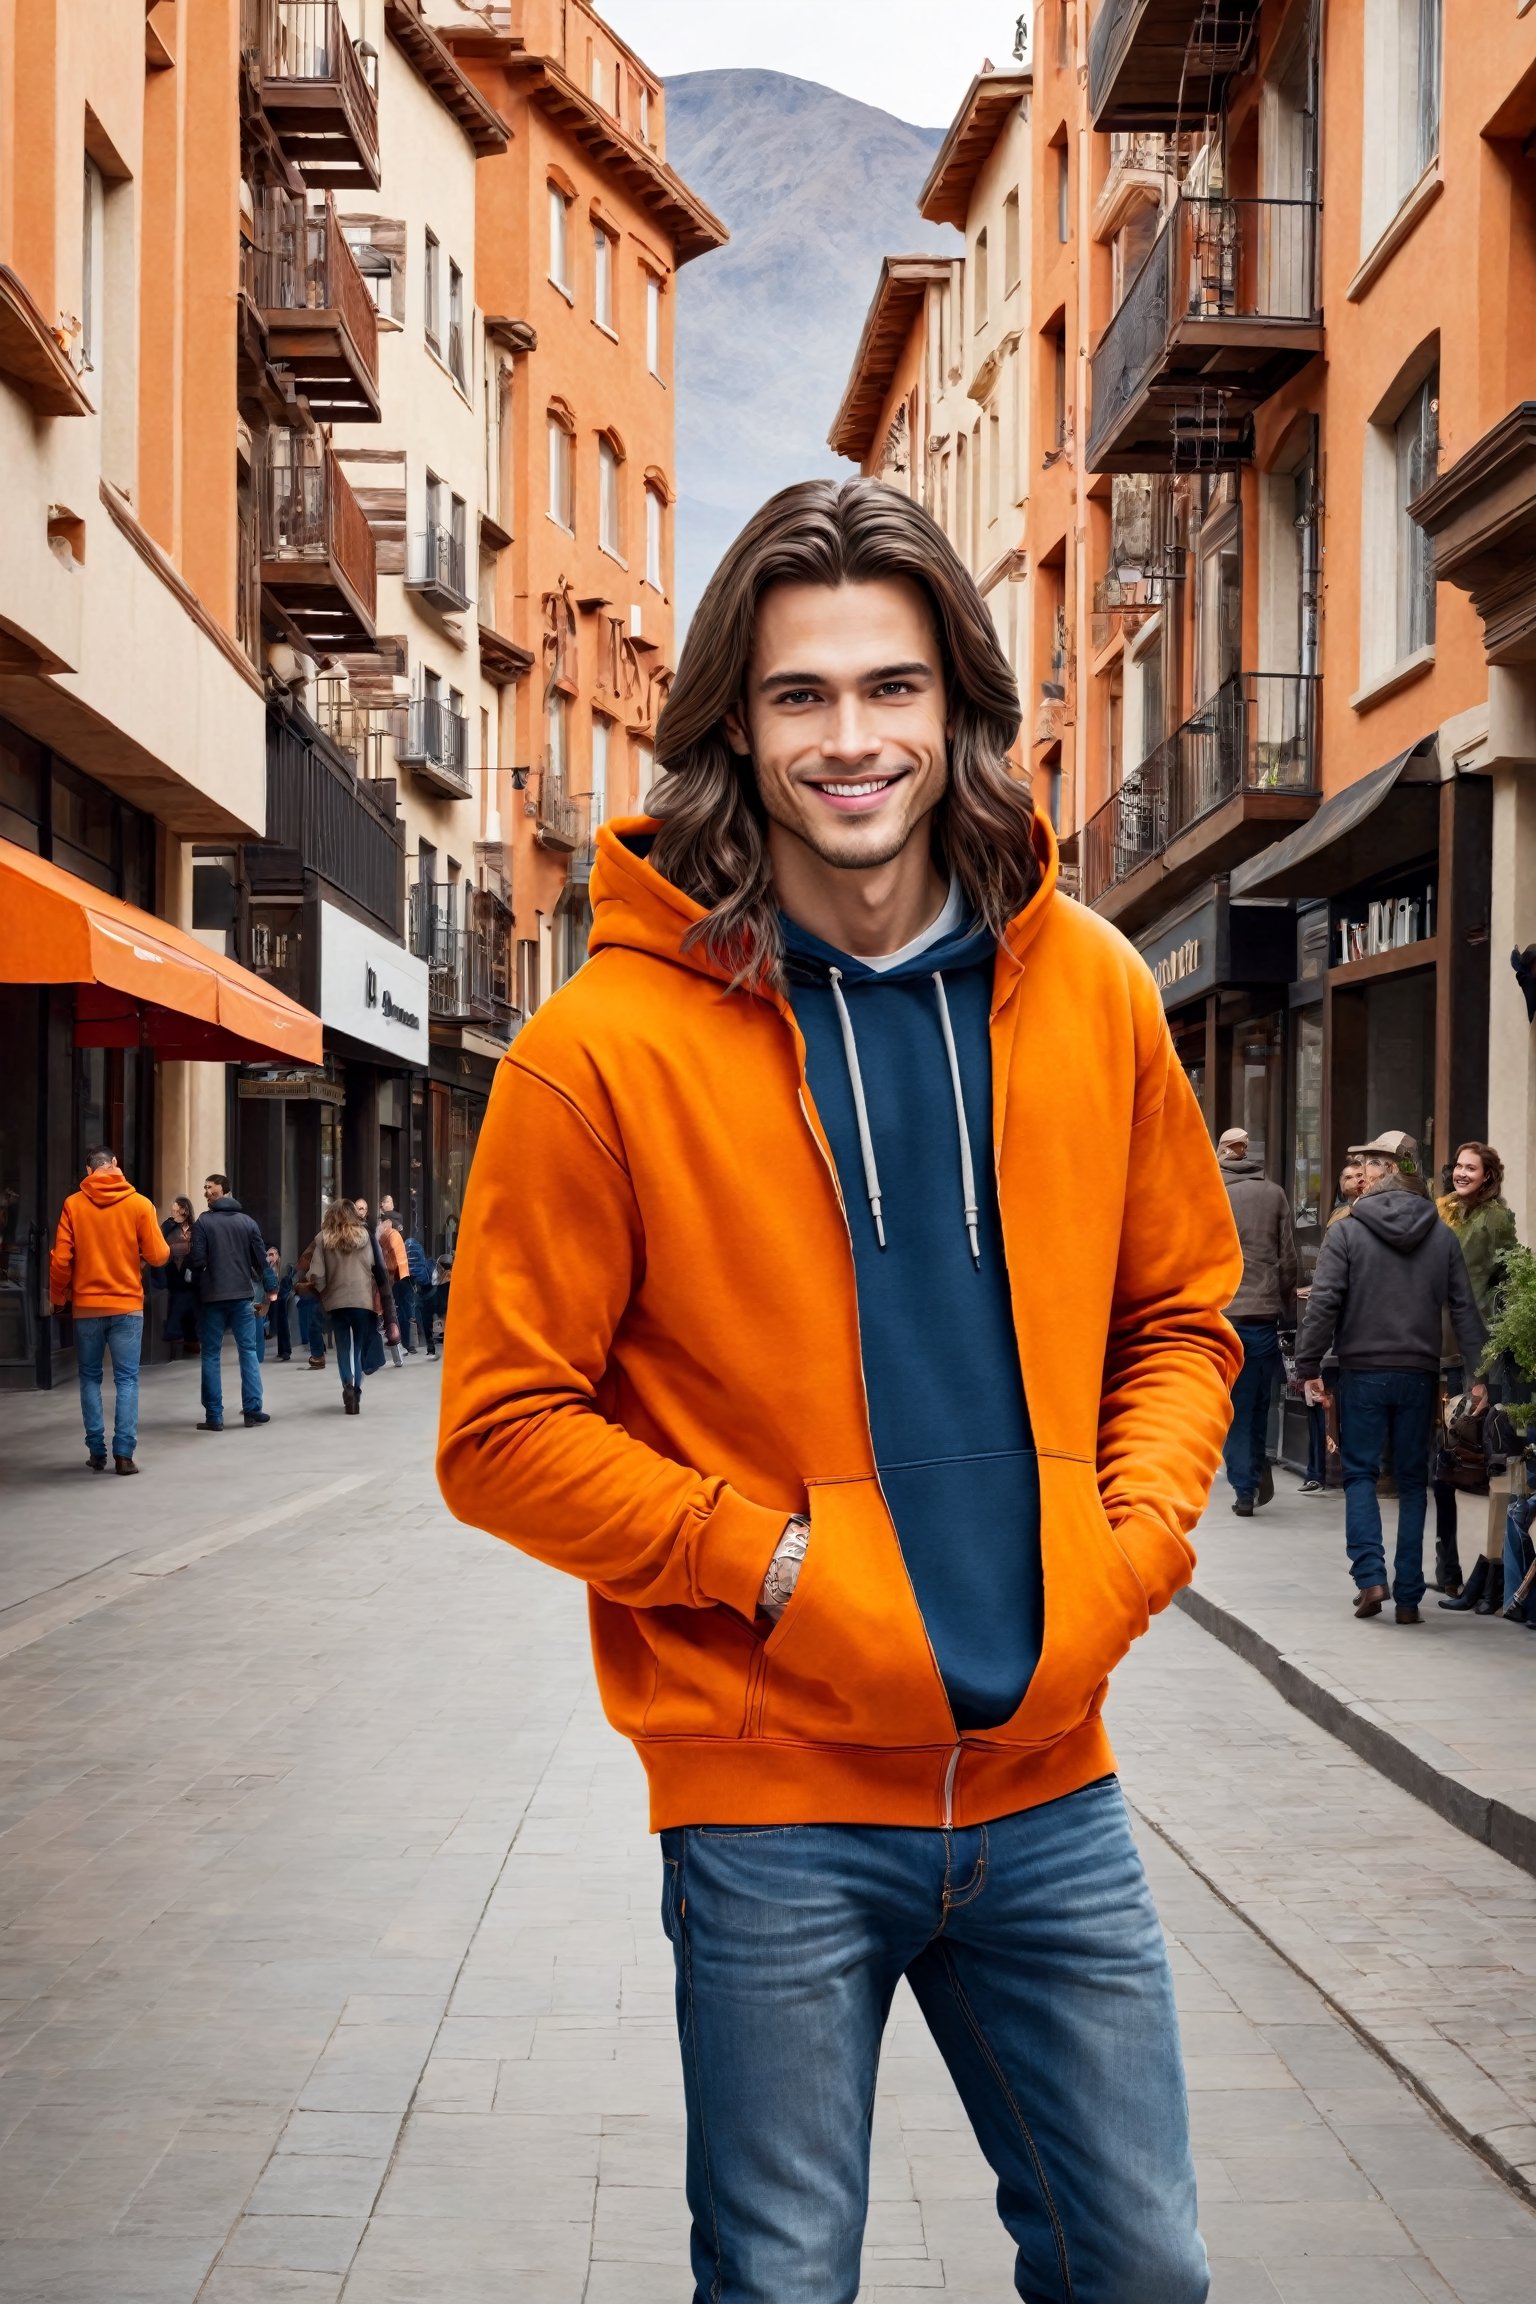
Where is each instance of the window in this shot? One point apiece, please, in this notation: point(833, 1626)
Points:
point(558, 727)
point(645, 113)
point(599, 769)
point(1059, 397)
point(602, 278)
point(1063, 194)
point(1417, 443)
point(1010, 243)
point(91, 238)
point(994, 466)
point(610, 529)
point(559, 252)
point(1418, 82)
point(456, 359)
point(653, 324)
point(654, 517)
point(431, 279)
point(562, 473)
point(1402, 95)
point(979, 289)
point(597, 77)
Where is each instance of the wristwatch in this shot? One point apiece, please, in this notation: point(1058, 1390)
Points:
point(784, 1568)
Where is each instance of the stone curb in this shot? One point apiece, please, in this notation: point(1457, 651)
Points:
point(1450, 2071)
point(1412, 1763)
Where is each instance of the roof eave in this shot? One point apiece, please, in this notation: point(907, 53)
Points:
point(952, 177)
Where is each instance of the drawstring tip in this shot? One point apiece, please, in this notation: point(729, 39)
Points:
point(975, 1244)
point(874, 1209)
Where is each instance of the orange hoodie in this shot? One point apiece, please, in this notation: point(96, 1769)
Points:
point(106, 1234)
point(654, 1359)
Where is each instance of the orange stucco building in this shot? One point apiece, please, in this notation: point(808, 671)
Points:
point(582, 229)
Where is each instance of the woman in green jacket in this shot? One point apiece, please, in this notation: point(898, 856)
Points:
point(1476, 1213)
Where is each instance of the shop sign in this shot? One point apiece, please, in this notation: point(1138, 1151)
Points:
point(293, 1087)
point(371, 989)
point(1187, 955)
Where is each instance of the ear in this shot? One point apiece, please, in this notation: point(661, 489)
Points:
point(737, 734)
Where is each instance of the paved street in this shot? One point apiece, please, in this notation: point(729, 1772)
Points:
point(330, 1965)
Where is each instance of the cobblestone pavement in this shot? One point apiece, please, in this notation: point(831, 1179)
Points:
point(1448, 1690)
point(329, 1959)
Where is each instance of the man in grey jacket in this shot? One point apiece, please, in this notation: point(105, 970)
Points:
point(228, 1258)
point(1264, 1304)
point(1383, 1282)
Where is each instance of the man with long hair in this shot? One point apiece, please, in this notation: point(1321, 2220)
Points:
point(874, 1454)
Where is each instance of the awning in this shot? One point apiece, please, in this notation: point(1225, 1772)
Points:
point(1377, 825)
point(143, 981)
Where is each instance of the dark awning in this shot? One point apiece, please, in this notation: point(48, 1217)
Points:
point(1374, 827)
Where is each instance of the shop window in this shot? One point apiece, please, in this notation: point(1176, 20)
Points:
point(1309, 1167)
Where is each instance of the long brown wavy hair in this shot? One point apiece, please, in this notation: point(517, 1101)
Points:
point(342, 1228)
point(1492, 1184)
point(712, 843)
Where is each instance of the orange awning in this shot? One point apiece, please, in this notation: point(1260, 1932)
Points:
point(148, 982)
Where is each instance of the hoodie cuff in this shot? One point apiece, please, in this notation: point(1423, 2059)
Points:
point(732, 1550)
point(1163, 1561)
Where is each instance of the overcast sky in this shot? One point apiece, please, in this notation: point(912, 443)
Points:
point(915, 58)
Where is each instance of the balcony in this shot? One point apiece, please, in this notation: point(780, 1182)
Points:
point(436, 571)
point(314, 91)
point(468, 963)
point(1239, 773)
point(562, 821)
point(1222, 312)
point(1158, 63)
point(320, 321)
point(436, 743)
point(344, 830)
point(317, 554)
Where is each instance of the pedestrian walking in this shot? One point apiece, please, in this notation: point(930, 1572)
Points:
point(353, 1283)
point(1265, 1302)
point(398, 1265)
point(419, 1266)
point(1351, 1185)
point(1382, 1286)
point(176, 1279)
point(1477, 1213)
point(869, 1499)
point(106, 1234)
point(437, 1310)
point(280, 1279)
point(311, 1310)
point(229, 1259)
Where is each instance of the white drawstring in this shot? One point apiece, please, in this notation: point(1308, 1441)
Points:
point(967, 1171)
point(861, 1110)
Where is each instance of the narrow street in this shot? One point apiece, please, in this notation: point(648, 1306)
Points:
point(331, 1967)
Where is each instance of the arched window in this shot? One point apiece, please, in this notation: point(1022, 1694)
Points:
point(610, 494)
point(562, 466)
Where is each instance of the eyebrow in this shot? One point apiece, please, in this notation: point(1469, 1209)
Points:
point(819, 679)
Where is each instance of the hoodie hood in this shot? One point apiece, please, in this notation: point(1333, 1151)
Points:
point(1248, 1165)
point(634, 908)
point(1398, 1218)
point(105, 1187)
point(225, 1205)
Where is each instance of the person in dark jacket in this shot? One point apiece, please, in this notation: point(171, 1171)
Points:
point(229, 1257)
point(1263, 1305)
point(1382, 1284)
point(180, 1281)
point(276, 1330)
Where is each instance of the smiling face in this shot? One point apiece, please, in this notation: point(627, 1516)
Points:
point(844, 720)
point(1468, 1174)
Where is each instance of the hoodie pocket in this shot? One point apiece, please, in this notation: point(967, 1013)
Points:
point(849, 1661)
point(1095, 1605)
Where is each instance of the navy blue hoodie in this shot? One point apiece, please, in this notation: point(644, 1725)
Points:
point(951, 1429)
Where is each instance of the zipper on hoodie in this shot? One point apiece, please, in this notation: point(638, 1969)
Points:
point(951, 1769)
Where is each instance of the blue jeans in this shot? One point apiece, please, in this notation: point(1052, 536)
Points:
point(122, 1335)
point(1381, 1408)
point(312, 1325)
point(352, 1330)
point(405, 1311)
point(239, 1314)
point(1034, 1952)
point(1247, 1445)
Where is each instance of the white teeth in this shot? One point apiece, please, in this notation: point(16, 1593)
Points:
point(856, 791)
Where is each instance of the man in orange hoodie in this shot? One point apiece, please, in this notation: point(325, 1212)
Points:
point(869, 1482)
point(107, 1234)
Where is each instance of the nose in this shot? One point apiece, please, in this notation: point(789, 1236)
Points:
point(852, 738)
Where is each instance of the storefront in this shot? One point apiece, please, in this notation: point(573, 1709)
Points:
point(307, 1136)
point(1224, 970)
point(96, 995)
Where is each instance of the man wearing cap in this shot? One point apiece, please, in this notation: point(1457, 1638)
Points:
point(1382, 1284)
point(1264, 1304)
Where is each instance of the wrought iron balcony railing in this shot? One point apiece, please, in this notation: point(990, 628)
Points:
point(563, 820)
point(437, 568)
point(1256, 734)
point(436, 740)
point(345, 830)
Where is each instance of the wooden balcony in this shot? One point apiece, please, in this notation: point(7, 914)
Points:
point(321, 325)
point(562, 820)
point(314, 91)
point(1240, 772)
point(1164, 63)
point(1221, 313)
point(317, 554)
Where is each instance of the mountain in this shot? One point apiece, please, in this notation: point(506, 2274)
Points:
point(815, 188)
